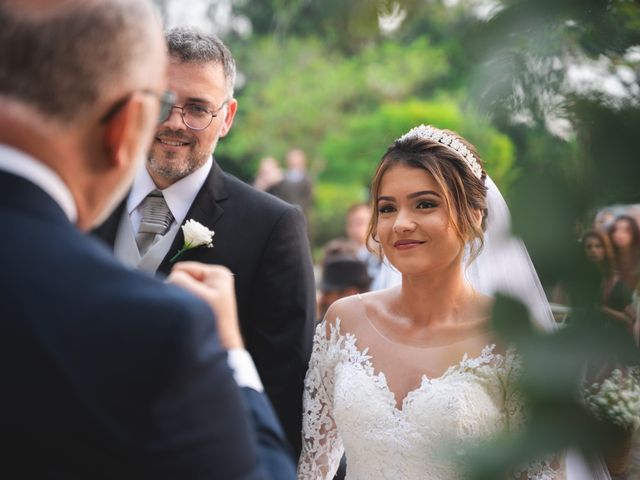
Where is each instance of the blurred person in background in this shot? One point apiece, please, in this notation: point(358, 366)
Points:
point(297, 186)
point(603, 220)
point(337, 246)
point(383, 274)
point(616, 296)
point(343, 275)
point(625, 238)
point(612, 294)
point(269, 174)
point(357, 221)
point(340, 246)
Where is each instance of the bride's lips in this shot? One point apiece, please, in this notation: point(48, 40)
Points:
point(407, 244)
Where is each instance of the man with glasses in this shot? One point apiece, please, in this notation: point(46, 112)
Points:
point(261, 239)
point(106, 372)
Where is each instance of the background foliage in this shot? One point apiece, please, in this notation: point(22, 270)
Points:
point(324, 76)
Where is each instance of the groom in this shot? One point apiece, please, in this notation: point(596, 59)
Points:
point(261, 239)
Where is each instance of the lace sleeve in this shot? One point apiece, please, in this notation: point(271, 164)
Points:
point(548, 468)
point(321, 444)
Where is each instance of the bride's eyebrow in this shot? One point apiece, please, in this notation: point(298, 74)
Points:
point(413, 195)
point(423, 192)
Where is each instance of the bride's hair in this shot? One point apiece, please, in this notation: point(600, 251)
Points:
point(464, 193)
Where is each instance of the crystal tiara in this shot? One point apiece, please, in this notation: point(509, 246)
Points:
point(431, 133)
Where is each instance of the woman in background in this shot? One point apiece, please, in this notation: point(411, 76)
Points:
point(625, 238)
point(616, 296)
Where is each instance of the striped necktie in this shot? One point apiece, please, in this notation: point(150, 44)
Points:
point(156, 219)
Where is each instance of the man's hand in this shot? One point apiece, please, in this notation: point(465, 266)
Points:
point(214, 284)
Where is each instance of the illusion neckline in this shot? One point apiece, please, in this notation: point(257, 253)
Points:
point(408, 345)
point(379, 378)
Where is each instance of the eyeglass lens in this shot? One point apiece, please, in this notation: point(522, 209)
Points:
point(194, 116)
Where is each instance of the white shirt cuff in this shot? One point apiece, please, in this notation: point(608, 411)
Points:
point(244, 370)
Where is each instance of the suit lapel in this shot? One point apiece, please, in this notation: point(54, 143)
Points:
point(205, 209)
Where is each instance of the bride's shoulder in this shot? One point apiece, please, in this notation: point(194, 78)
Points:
point(354, 308)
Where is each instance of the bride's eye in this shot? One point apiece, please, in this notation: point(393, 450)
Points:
point(386, 208)
point(426, 204)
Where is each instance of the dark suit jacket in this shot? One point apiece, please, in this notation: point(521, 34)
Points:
point(263, 241)
point(109, 373)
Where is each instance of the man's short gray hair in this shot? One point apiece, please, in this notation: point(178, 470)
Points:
point(64, 61)
point(189, 45)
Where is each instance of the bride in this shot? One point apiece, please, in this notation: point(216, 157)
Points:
point(401, 377)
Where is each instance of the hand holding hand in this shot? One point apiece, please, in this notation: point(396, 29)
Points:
point(214, 284)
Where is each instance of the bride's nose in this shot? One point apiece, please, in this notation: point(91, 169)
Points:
point(403, 223)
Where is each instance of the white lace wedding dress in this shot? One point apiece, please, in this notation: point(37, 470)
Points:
point(349, 406)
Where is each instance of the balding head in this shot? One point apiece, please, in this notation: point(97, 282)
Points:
point(80, 84)
point(64, 58)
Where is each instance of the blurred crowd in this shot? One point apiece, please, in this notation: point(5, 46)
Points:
point(612, 247)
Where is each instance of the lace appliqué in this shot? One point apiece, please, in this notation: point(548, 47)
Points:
point(321, 445)
point(538, 470)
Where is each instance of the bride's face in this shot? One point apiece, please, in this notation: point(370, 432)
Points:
point(414, 228)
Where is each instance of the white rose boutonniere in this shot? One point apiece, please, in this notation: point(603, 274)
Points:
point(195, 235)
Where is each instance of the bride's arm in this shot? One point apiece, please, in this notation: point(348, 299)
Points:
point(321, 444)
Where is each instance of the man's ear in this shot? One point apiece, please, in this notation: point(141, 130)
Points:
point(232, 108)
point(122, 131)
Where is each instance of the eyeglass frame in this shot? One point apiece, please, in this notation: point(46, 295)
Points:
point(213, 113)
point(165, 98)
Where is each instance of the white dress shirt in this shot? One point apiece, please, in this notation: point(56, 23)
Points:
point(244, 370)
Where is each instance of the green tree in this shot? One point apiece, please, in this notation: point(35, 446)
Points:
point(355, 150)
point(298, 92)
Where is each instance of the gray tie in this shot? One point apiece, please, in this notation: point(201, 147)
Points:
point(156, 219)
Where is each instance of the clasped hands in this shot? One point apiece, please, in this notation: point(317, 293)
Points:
point(215, 285)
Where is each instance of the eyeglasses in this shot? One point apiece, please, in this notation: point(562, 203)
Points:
point(195, 116)
point(166, 100)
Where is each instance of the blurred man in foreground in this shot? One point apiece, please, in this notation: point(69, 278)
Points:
point(106, 372)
